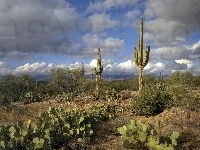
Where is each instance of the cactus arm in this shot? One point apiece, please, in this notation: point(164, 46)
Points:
point(136, 57)
point(146, 56)
point(94, 70)
point(102, 69)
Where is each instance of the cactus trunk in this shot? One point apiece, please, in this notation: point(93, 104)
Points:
point(140, 59)
point(98, 79)
point(82, 70)
point(140, 79)
point(97, 71)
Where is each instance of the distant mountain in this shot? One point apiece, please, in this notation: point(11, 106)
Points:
point(109, 77)
point(41, 77)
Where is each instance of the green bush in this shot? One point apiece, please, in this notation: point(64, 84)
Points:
point(181, 78)
point(129, 84)
point(151, 101)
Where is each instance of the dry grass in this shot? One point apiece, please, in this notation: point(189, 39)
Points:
point(106, 136)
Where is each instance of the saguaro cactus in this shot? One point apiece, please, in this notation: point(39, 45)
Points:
point(82, 70)
point(140, 60)
point(97, 71)
point(161, 76)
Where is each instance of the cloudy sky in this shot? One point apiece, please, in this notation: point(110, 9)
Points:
point(38, 35)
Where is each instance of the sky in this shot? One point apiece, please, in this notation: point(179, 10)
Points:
point(38, 35)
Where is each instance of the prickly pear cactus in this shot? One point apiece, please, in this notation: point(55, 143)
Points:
point(113, 95)
point(136, 135)
point(18, 136)
point(133, 134)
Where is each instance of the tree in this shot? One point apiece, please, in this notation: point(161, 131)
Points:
point(187, 78)
point(196, 80)
point(66, 80)
point(9, 88)
point(26, 84)
point(59, 80)
point(181, 78)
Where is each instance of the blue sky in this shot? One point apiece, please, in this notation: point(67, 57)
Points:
point(36, 36)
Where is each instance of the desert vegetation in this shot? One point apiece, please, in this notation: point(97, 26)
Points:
point(64, 113)
point(69, 111)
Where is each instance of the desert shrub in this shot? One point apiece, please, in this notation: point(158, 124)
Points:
point(10, 88)
point(185, 79)
point(151, 101)
point(87, 87)
point(135, 85)
point(178, 92)
point(183, 97)
point(120, 85)
point(4, 101)
point(68, 81)
point(34, 96)
point(196, 81)
point(106, 91)
point(16, 88)
point(149, 79)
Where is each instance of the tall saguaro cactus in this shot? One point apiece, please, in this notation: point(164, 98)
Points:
point(82, 70)
point(97, 71)
point(140, 60)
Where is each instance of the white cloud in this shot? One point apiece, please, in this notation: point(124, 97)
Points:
point(113, 43)
point(4, 68)
point(3, 64)
point(93, 63)
point(126, 65)
point(110, 67)
point(99, 6)
point(109, 46)
point(185, 61)
point(102, 21)
point(154, 68)
point(34, 69)
point(196, 46)
point(131, 18)
point(33, 26)
point(163, 32)
point(170, 22)
point(171, 53)
point(133, 14)
point(55, 26)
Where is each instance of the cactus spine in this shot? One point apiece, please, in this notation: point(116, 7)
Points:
point(140, 60)
point(97, 71)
